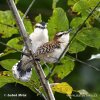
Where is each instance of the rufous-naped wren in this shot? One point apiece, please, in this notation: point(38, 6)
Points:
point(50, 51)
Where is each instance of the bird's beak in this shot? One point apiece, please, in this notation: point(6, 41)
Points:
point(69, 30)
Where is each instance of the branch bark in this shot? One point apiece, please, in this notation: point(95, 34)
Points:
point(28, 9)
point(37, 66)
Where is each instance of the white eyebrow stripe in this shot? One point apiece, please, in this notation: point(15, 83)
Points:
point(60, 33)
point(41, 27)
point(38, 24)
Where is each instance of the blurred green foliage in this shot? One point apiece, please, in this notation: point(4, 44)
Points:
point(60, 16)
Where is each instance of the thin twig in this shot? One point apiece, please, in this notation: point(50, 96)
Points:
point(91, 66)
point(72, 40)
point(13, 48)
point(37, 66)
point(28, 9)
point(40, 93)
point(51, 71)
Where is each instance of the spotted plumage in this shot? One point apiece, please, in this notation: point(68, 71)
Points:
point(50, 51)
point(47, 47)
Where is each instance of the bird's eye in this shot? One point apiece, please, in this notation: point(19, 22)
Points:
point(40, 27)
point(37, 26)
point(59, 35)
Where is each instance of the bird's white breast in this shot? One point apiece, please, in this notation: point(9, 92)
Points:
point(38, 38)
point(53, 57)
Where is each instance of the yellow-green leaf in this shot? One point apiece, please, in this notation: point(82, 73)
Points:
point(63, 69)
point(63, 88)
point(8, 63)
point(38, 18)
point(7, 77)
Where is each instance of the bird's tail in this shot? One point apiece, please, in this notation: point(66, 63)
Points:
point(20, 74)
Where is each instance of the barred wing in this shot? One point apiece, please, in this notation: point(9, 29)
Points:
point(47, 48)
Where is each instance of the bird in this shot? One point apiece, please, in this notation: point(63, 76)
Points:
point(39, 36)
point(50, 52)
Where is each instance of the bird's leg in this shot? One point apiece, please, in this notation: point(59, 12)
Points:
point(51, 71)
point(48, 76)
point(47, 67)
point(28, 61)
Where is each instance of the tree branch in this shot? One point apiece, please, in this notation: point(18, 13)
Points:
point(37, 66)
point(89, 65)
point(13, 48)
point(28, 9)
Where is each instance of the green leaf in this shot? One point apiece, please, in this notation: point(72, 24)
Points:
point(35, 77)
point(8, 63)
point(15, 43)
point(38, 18)
point(76, 46)
point(64, 68)
point(76, 22)
point(27, 23)
point(7, 77)
point(6, 17)
point(58, 22)
point(10, 55)
point(95, 96)
point(81, 7)
point(6, 31)
point(93, 3)
point(2, 84)
point(28, 26)
point(86, 37)
point(16, 1)
point(90, 37)
point(72, 2)
point(7, 23)
point(54, 3)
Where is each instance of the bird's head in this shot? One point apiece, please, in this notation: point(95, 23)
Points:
point(62, 36)
point(41, 25)
point(41, 30)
